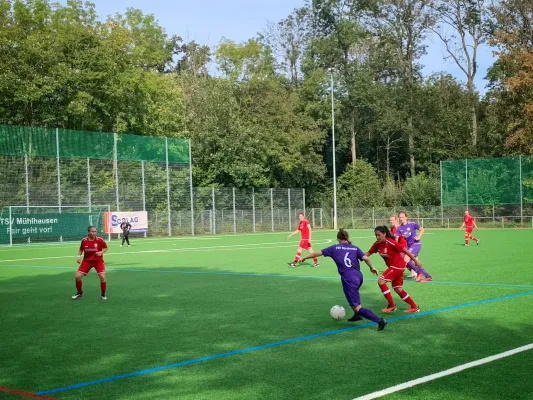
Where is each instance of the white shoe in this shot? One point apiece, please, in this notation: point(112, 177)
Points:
point(129, 245)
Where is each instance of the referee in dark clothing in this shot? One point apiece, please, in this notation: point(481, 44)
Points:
point(125, 226)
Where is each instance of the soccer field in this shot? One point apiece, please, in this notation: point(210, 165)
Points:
point(223, 317)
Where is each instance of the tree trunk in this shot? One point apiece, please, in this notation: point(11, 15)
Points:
point(472, 94)
point(354, 154)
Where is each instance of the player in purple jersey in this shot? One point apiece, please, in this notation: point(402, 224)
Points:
point(347, 257)
point(408, 230)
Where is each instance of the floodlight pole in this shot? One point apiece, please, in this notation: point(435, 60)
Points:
point(335, 226)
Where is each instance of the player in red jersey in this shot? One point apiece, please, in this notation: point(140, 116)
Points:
point(93, 248)
point(392, 253)
point(304, 227)
point(470, 224)
point(394, 223)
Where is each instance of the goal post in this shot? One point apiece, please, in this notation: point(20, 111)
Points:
point(45, 224)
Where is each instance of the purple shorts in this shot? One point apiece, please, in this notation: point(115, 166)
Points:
point(351, 291)
point(415, 248)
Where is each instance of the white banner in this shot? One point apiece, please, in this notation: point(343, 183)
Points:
point(137, 219)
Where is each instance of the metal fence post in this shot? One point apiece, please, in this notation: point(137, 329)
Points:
point(214, 216)
point(168, 191)
point(272, 207)
point(466, 181)
point(143, 188)
point(234, 213)
point(303, 201)
point(353, 222)
point(373, 216)
point(289, 200)
point(253, 209)
point(89, 183)
point(321, 217)
point(191, 189)
point(521, 194)
point(441, 197)
point(58, 171)
point(115, 161)
point(27, 184)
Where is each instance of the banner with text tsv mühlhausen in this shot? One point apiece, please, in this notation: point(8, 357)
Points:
point(137, 219)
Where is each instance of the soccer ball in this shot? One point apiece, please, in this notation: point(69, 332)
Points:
point(337, 312)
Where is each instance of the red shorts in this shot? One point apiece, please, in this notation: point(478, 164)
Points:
point(86, 266)
point(305, 244)
point(469, 230)
point(394, 275)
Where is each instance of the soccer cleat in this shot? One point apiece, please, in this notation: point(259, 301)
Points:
point(129, 245)
point(412, 310)
point(389, 309)
point(427, 280)
point(77, 296)
point(316, 265)
point(466, 245)
point(292, 264)
point(121, 245)
point(103, 297)
point(477, 243)
point(419, 277)
point(356, 317)
point(382, 324)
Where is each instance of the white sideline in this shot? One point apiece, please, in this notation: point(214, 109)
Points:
point(428, 378)
point(251, 246)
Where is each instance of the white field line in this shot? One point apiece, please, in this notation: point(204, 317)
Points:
point(428, 378)
point(252, 246)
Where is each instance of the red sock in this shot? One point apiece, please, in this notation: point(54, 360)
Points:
point(386, 292)
point(103, 287)
point(78, 286)
point(466, 240)
point(315, 260)
point(473, 238)
point(405, 297)
point(298, 256)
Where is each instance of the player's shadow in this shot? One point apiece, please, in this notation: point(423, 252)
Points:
point(160, 318)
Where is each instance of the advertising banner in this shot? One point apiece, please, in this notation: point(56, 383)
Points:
point(137, 219)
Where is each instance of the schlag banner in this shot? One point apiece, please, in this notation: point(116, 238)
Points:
point(137, 219)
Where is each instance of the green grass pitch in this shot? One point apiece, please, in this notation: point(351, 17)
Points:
point(178, 299)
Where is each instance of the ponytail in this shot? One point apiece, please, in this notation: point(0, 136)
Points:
point(342, 235)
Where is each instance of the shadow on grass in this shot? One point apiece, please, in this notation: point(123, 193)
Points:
point(150, 320)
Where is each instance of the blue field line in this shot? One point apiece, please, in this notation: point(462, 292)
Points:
point(174, 271)
point(275, 344)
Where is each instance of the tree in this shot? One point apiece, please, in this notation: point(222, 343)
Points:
point(359, 186)
point(512, 76)
point(461, 27)
point(403, 26)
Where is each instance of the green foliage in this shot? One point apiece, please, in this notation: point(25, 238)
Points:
point(359, 186)
point(422, 190)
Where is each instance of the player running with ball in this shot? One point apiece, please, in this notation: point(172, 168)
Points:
point(408, 229)
point(304, 227)
point(93, 248)
point(347, 257)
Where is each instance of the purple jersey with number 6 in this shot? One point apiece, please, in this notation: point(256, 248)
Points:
point(347, 257)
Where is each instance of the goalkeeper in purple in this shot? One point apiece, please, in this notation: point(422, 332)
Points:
point(347, 257)
point(408, 230)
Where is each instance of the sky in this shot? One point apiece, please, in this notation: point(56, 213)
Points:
point(207, 21)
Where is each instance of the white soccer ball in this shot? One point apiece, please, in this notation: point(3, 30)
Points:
point(337, 312)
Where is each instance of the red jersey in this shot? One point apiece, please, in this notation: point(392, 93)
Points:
point(469, 221)
point(305, 229)
point(391, 252)
point(400, 238)
point(91, 247)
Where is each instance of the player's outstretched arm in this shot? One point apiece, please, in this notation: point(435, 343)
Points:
point(420, 233)
point(293, 233)
point(314, 254)
point(369, 263)
point(462, 226)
